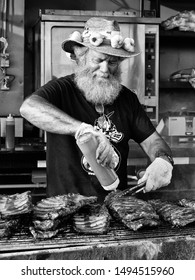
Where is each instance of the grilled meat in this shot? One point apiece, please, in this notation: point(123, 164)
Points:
point(39, 234)
point(45, 225)
point(183, 75)
point(61, 206)
point(5, 227)
point(132, 212)
point(8, 227)
point(173, 22)
point(184, 21)
point(92, 219)
point(187, 203)
point(15, 204)
point(173, 213)
point(50, 215)
point(15, 212)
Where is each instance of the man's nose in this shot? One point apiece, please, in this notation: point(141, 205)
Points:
point(104, 67)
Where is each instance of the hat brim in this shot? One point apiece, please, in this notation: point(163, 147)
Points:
point(68, 45)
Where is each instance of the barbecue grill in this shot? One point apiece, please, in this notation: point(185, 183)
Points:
point(163, 242)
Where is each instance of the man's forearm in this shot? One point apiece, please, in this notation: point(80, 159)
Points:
point(154, 146)
point(45, 116)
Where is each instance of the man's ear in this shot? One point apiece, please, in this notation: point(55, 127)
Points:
point(121, 59)
point(73, 56)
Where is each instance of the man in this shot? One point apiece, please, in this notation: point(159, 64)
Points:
point(93, 100)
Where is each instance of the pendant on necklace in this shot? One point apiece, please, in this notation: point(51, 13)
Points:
point(99, 108)
point(101, 121)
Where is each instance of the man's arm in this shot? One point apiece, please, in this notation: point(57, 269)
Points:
point(46, 116)
point(159, 173)
point(154, 146)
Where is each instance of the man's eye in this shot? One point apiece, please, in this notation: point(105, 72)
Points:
point(97, 61)
point(114, 62)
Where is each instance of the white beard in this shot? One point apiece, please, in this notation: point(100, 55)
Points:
point(95, 90)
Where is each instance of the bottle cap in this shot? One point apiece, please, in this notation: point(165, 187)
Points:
point(10, 117)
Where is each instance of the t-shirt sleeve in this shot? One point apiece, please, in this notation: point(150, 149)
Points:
point(52, 92)
point(141, 124)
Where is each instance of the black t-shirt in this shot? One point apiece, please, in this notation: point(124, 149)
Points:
point(125, 120)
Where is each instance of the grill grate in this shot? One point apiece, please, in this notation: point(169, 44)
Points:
point(117, 234)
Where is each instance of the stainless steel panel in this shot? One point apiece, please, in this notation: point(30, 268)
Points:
point(133, 68)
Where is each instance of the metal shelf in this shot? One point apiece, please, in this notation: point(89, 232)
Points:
point(173, 84)
point(22, 186)
point(178, 5)
point(176, 33)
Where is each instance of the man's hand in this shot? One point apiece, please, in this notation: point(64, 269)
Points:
point(105, 154)
point(157, 175)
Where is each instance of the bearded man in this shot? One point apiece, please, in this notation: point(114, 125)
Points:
point(93, 100)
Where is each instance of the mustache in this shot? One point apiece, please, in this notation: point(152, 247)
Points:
point(95, 90)
point(83, 71)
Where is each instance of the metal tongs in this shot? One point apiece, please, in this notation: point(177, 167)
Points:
point(137, 188)
point(133, 190)
point(130, 191)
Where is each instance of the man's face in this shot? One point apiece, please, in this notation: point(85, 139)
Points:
point(102, 65)
point(99, 77)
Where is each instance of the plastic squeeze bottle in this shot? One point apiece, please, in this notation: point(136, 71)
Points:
point(10, 133)
point(106, 176)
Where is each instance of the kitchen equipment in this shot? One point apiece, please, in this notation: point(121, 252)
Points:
point(181, 125)
point(138, 188)
point(163, 242)
point(132, 190)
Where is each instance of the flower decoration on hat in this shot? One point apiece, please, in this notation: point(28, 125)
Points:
point(86, 33)
point(96, 39)
point(129, 44)
point(113, 38)
point(117, 41)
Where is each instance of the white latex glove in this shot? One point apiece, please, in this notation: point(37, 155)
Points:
point(157, 175)
point(105, 154)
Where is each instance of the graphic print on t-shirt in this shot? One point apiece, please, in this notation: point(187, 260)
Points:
point(106, 126)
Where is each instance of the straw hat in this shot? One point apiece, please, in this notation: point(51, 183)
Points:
point(104, 36)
